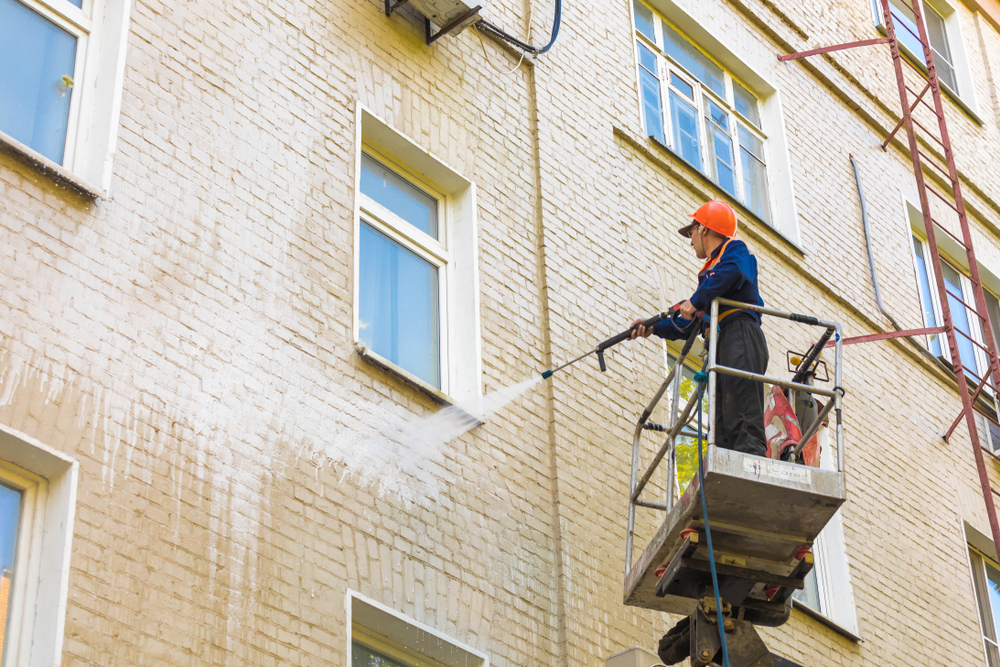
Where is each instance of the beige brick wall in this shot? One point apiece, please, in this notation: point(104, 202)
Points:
point(189, 339)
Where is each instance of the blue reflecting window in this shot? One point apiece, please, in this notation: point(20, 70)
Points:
point(717, 127)
point(685, 122)
point(399, 195)
point(398, 305)
point(755, 194)
point(694, 61)
point(960, 318)
point(926, 302)
point(34, 99)
point(649, 82)
point(644, 20)
point(10, 519)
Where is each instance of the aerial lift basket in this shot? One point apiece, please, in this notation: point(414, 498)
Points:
point(764, 513)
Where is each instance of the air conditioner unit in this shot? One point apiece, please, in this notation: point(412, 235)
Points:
point(634, 657)
point(450, 16)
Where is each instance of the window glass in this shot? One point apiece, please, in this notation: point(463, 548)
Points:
point(35, 55)
point(685, 122)
point(10, 517)
point(926, 302)
point(906, 28)
point(649, 84)
point(754, 174)
point(746, 104)
point(644, 20)
point(398, 305)
point(693, 60)
point(398, 195)
point(717, 127)
point(960, 318)
point(993, 310)
point(362, 656)
point(809, 596)
point(938, 37)
point(682, 85)
point(993, 586)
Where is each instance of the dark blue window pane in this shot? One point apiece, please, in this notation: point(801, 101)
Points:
point(399, 196)
point(398, 306)
point(35, 54)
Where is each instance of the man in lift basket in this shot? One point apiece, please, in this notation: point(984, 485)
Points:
point(730, 272)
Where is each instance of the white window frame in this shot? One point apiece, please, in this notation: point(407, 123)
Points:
point(455, 252)
point(430, 249)
point(965, 96)
point(977, 560)
point(48, 480)
point(703, 36)
point(395, 635)
point(101, 29)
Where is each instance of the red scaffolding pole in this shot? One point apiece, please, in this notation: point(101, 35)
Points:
point(952, 197)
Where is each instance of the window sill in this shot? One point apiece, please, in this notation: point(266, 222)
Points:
point(384, 364)
point(62, 176)
point(672, 163)
point(816, 616)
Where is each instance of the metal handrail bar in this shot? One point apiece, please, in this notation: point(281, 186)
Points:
point(685, 417)
point(672, 376)
point(726, 370)
point(783, 314)
point(836, 393)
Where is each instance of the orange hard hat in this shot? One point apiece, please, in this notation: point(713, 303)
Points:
point(716, 215)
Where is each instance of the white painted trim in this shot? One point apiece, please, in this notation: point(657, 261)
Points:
point(461, 344)
point(45, 577)
point(422, 635)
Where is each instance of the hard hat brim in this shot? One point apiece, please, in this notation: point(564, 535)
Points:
point(687, 230)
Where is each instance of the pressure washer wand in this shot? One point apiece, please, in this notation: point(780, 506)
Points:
point(611, 342)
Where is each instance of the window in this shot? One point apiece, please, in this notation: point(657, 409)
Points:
point(960, 292)
point(401, 256)
point(974, 358)
point(60, 87)
point(37, 500)
point(416, 296)
point(943, 32)
point(382, 637)
point(712, 120)
point(986, 582)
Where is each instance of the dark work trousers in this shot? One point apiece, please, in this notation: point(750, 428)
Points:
point(739, 405)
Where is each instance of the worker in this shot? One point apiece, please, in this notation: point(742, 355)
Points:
point(730, 272)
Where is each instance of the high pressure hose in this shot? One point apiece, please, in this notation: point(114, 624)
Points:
point(486, 26)
point(701, 378)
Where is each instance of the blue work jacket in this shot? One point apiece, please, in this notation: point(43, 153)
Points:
point(730, 273)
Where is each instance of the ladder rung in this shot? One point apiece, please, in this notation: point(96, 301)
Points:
point(927, 132)
point(974, 342)
point(941, 197)
point(968, 307)
point(957, 240)
point(931, 162)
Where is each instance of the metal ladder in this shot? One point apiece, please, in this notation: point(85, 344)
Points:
point(951, 195)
